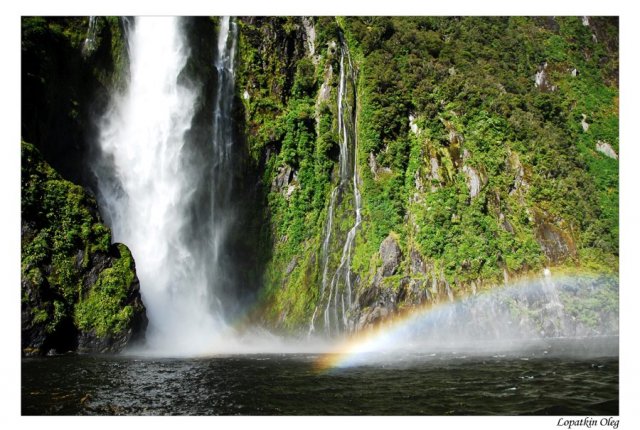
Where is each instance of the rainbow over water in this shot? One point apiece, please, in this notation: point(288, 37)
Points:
point(508, 318)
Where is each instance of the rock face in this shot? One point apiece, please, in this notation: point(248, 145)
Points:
point(79, 292)
point(391, 256)
point(473, 181)
point(556, 244)
point(606, 149)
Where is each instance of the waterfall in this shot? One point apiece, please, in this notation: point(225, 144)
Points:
point(150, 180)
point(90, 40)
point(221, 211)
point(348, 173)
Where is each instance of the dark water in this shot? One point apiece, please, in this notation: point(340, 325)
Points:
point(290, 384)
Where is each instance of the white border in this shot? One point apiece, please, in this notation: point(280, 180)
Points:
point(10, 171)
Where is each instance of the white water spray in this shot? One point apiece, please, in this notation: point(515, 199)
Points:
point(148, 198)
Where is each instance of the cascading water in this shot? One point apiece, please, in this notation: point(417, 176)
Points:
point(222, 145)
point(149, 184)
point(90, 39)
point(333, 323)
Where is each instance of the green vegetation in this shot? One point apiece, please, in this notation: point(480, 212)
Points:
point(62, 218)
point(104, 308)
point(545, 196)
point(65, 85)
point(63, 243)
point(291, 131)
point(478, 84)
point(492, 177)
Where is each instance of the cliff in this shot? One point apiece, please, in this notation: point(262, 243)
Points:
point(382, 163)
point(480, 157)
point(79, 291)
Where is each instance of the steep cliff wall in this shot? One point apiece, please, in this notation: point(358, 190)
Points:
point(479, 146)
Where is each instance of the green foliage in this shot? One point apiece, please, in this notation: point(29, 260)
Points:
point(103, 309)
point(468, 83)
point(62, 227)
point(602, 300)
point(478, 81)
point(64, 217)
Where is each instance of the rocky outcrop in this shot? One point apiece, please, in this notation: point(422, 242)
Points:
point(474, 183)
point(542, 79)
point(79, 292)
point(606, 149)
point(391, 256)
point(556, 243)
point(584, 123)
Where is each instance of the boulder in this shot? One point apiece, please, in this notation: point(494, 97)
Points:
point(78, 291)
point(606, 149)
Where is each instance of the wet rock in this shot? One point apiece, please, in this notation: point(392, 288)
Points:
point(434, 168)
point(324, 95)
point(449, 290)
point(513, 162)
point(549, 22)
point(331, 48)
point(505, 224)
point(418, 182)
point(285, 182)
point(55, 332)
point(310, 33)
point(368, 296)
point(391, 255)
point(376, 170)
point(403, 290)
point(282, 178)
point(556, 244)
point(455, 138)
point(292, 265)
point(56, 282)
point(372, 317)
point(290, 189)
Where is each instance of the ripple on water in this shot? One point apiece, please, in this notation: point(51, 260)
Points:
point(290, 385)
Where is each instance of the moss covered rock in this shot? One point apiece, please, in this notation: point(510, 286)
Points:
point(79, 292)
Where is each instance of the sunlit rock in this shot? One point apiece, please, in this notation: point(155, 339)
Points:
point(606, 149)
point(584, 123)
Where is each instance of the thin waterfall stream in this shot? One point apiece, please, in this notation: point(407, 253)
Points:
point(348, 169)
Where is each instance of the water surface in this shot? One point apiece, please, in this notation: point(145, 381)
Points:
point(291, 384)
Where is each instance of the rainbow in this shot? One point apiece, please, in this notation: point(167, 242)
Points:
point(399, 334)
point(383, 337)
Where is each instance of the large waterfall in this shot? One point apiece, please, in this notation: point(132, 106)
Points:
point(151, 182)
